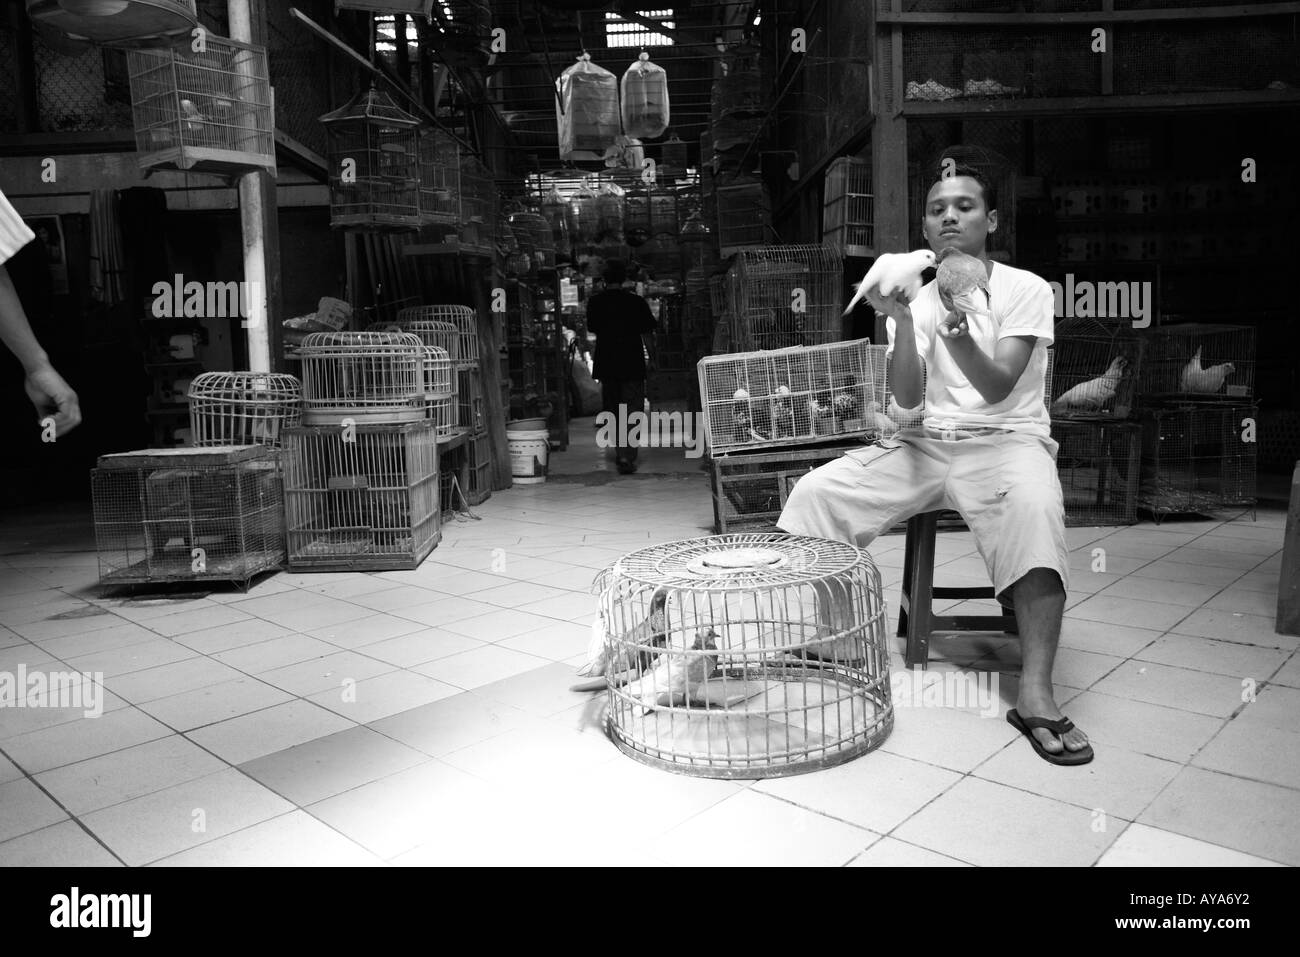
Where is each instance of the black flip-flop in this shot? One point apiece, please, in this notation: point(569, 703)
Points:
point(1059, 727)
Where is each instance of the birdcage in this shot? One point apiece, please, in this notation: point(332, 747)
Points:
point(1196, 362)
point(534, 235)
point(644, 90)
point(478, 471)
point(181, 514)
point(1198, 457)
point(1097, 370)
point(440, 335)
point(361, 498)
point(439, 177)
point(374, 163)
point(744, 217)
point(785, 296)
point(122, 23)
point(440, 390)
point(1098, 464)
point(206, 111)
point(365, 377)
point(786, 396)
point(586, 108)
point(848, 215)
point(478, 205)
point(752, 655)
point(466, 352)
point(243, 408)
point(469, 401)
point(609, 213)
point(750, 488)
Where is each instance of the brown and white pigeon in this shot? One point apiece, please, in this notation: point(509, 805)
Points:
point(632, 652)
point(964, 282)
point(679, 677)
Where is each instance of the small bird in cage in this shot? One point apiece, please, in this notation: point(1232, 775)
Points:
point(679, 678)
point(878, 421)
point(1197, 378)
point(960, 278)
point(740, 417)
point(194, 120)
point(894, 271)
point(603, 659)
point(782, 413)
point(1095, 393)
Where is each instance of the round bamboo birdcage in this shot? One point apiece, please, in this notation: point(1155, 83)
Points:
point(243, 408)
point(745, 656)
point(440, 390)
point(367, 377)
point(462, 318)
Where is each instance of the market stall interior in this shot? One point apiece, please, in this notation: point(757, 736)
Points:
point(347, 484)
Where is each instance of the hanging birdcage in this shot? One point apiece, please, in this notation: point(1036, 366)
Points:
point(374, 163)
point(370, 377)
point(209, 111)
point(165, 515)
point(674, 159)
point(478, 205)
point(584, 215)
point(745, 656)
point(534, 235)
point(440, 390)
point(465, 355)
point(786, 296)
point(848, 213)
point(121, 23)
point(787, 396)
point(586, 110)
point(638, 224)
point(243, 408)
point(644, 92)
point(1098, 367)
point(744, 213)
point(439, 177)
point(609, 213)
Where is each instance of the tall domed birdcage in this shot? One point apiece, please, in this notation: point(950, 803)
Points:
point(745, 656)
point(466, 353)
point(374, 163)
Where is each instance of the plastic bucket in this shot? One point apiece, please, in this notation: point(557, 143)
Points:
point(529, 453)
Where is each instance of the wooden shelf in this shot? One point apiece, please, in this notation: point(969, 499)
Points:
point(1100, 104)
point(1091, 17)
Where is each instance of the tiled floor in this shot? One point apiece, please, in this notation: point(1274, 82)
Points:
point(424, 717)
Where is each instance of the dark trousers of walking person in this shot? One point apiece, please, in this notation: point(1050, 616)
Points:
point(630, 394)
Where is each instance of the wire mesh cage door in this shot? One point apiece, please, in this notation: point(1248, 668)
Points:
point(210, 110)
point(1198, 458)
point(745, 656)
point(787, 396)
point(361, 498)
point(1199, 362)
point(374, 158)
point(1098, 465)
point(463, 318)
point(365, 377)
point(786, 296)
point(1097, 370)
point(165, 515)
point(243, 408)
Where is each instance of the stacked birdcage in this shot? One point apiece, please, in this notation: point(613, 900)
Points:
point(171, 515)
point(466, 352)
point(744, 215)
point(361, 497)
point(209, 110)
point(365, 377)
point(785, 296)
point(439, 177)
point(1198, 363)
point(479, 206)
point(374, 163)
point(243, 408)
point(1098, 465)
point(848, 212)
point(533, 233)
point(440, 405)
point(745, 656)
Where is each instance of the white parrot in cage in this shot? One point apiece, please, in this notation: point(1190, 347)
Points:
point(893, 271)
point(1196, 378)
point(678, 677)
point(1095, 393)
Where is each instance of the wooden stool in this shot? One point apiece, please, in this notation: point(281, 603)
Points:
point(916, 619)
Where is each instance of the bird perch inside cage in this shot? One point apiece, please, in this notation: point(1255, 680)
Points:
point(743, 655)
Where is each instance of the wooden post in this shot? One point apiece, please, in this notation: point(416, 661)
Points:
point(889, 179)
point(1288, 585)
point(481, 277)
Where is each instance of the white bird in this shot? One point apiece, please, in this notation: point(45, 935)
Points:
point(879, 422)
point(193, 118)
point(1196, 378)
point(893, 271)
point(631, 651)
point(906, 418)
point(678, 676)
point(1095, 393)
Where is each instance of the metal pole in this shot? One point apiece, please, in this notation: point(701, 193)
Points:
point(253, 202)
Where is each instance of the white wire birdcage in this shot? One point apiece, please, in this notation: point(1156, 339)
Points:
point(243, 408)
point(182, 514)
point(786, 396)
point(462, 318)
point(1198, 458)
point(1097, 370)
point(1198, 362)
point(439, 177)
point(848, 211)
point(361, 498)
point(374, 163)
point(208, 111)
point(745, 656)
point(1098, 466)
point(440, 404)
point(785, 296)
point(441, 335)
point(367, 377)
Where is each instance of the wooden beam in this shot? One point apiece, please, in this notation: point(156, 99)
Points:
point(1092, 17)
point(1128, 103)
point(1288, 584)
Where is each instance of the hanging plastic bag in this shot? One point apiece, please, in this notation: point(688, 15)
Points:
point(587, 110)
point(645, 99)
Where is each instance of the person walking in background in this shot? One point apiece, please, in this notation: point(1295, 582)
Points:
point(619, 317)
point(48, 391)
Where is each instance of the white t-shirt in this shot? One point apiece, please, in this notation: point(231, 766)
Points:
point(14, 234)
point(1022, 305)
